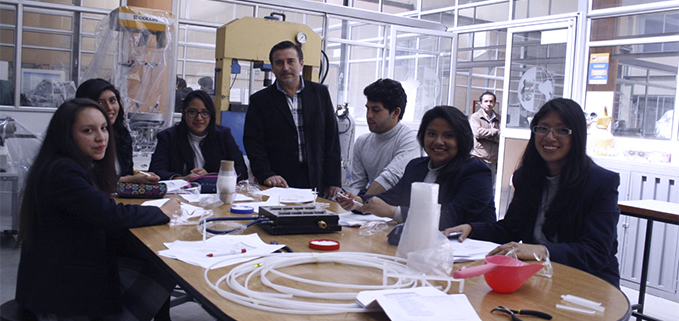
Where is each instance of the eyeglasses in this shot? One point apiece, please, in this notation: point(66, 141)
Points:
point(193, 113)
point(560, 132)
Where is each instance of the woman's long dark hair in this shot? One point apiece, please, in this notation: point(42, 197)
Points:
point(59, 143)
point(92, 89)
point(533, 170)
point(463, 133)
point(211, 155)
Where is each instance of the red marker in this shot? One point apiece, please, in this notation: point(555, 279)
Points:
point(227, 253)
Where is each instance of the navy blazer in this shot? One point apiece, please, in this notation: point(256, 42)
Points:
point(270, 136)
point(69, 266)
point(465, 197)
point(174, 156)
point(591, 248)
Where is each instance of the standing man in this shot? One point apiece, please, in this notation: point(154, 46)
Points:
point(290, 133)
point(381, 156)
point(485, 125)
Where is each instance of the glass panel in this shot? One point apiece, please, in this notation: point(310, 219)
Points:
point(196, 70)
point(528, 9)
point(399, 6)
point(484, 14)
point(447, 18)
point(335, 28)
point(6, 37)
point(367, 5)
point(436, 4)
point(361, 75)
point(7, 16)
point(346, 81)
point(369, 32)
point(103, 4)
point(200, 53)
point(89, 22)
point(85, 60)
point(480, 67)
point(87, 44)
point(45, 76)
point(536, 76)
point(422, 73)
point(644, 25)
point(7, 70)
point(46, 39)
point(602, 4)
point(642, 91)
point(212, 11)
point(58, 1)
point(48, 21)
point(47, 58)
point(202, 36)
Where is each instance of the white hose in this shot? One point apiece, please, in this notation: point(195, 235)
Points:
point(286, 300)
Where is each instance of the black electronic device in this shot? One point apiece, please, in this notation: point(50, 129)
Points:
point(298, 220)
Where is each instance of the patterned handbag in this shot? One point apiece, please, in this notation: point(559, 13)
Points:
point(141, 190)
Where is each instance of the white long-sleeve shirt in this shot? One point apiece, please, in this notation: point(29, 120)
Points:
point(383, 157)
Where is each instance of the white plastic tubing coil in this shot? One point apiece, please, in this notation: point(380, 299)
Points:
point(394, 272)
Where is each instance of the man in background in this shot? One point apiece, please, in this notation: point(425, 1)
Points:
point(206, 84)
point(290, 132)
point(180, 94)
point(381, 156)
point(485, 124)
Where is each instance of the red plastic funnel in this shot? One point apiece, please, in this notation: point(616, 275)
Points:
point(503, 274)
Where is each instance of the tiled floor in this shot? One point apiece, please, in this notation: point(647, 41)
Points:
point(9, 260)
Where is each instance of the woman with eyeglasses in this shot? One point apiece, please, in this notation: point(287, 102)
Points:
point(196, 145)
point(108, 97)
point(565, 206)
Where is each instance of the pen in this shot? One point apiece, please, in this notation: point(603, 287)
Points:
point(232, 252)
point(145, 173)
point(357, 203)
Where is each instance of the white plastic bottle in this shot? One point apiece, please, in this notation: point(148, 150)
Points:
point(226, 182)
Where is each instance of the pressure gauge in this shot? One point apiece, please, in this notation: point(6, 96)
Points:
point(301, 37)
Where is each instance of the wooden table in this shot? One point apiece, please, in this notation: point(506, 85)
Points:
point(652, 211)
point(538, 293)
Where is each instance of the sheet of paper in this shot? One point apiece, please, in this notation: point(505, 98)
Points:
point(419, 304)
point(368, 299)
point(174, 185)
point(351, 219)
point(195, 252)
point(290, 195)
point(471, 250)
point(414, 307)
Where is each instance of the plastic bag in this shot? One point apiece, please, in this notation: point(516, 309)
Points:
point(244, 187)
point(193, 218)
point(547, 269)
point(432, 261)
point(371, 228)
point(230, 227)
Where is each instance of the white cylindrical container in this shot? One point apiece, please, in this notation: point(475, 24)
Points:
point(226, 182)
point(421, 227)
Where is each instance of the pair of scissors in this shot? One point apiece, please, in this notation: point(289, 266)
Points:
point(513, 313)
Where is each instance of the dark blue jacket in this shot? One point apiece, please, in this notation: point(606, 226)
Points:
point(590, 248)
point(174, 156)
point(270, 137)
point(465, 197)
point(69, 266)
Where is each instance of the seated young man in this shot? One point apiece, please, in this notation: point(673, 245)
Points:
point(381, 156)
